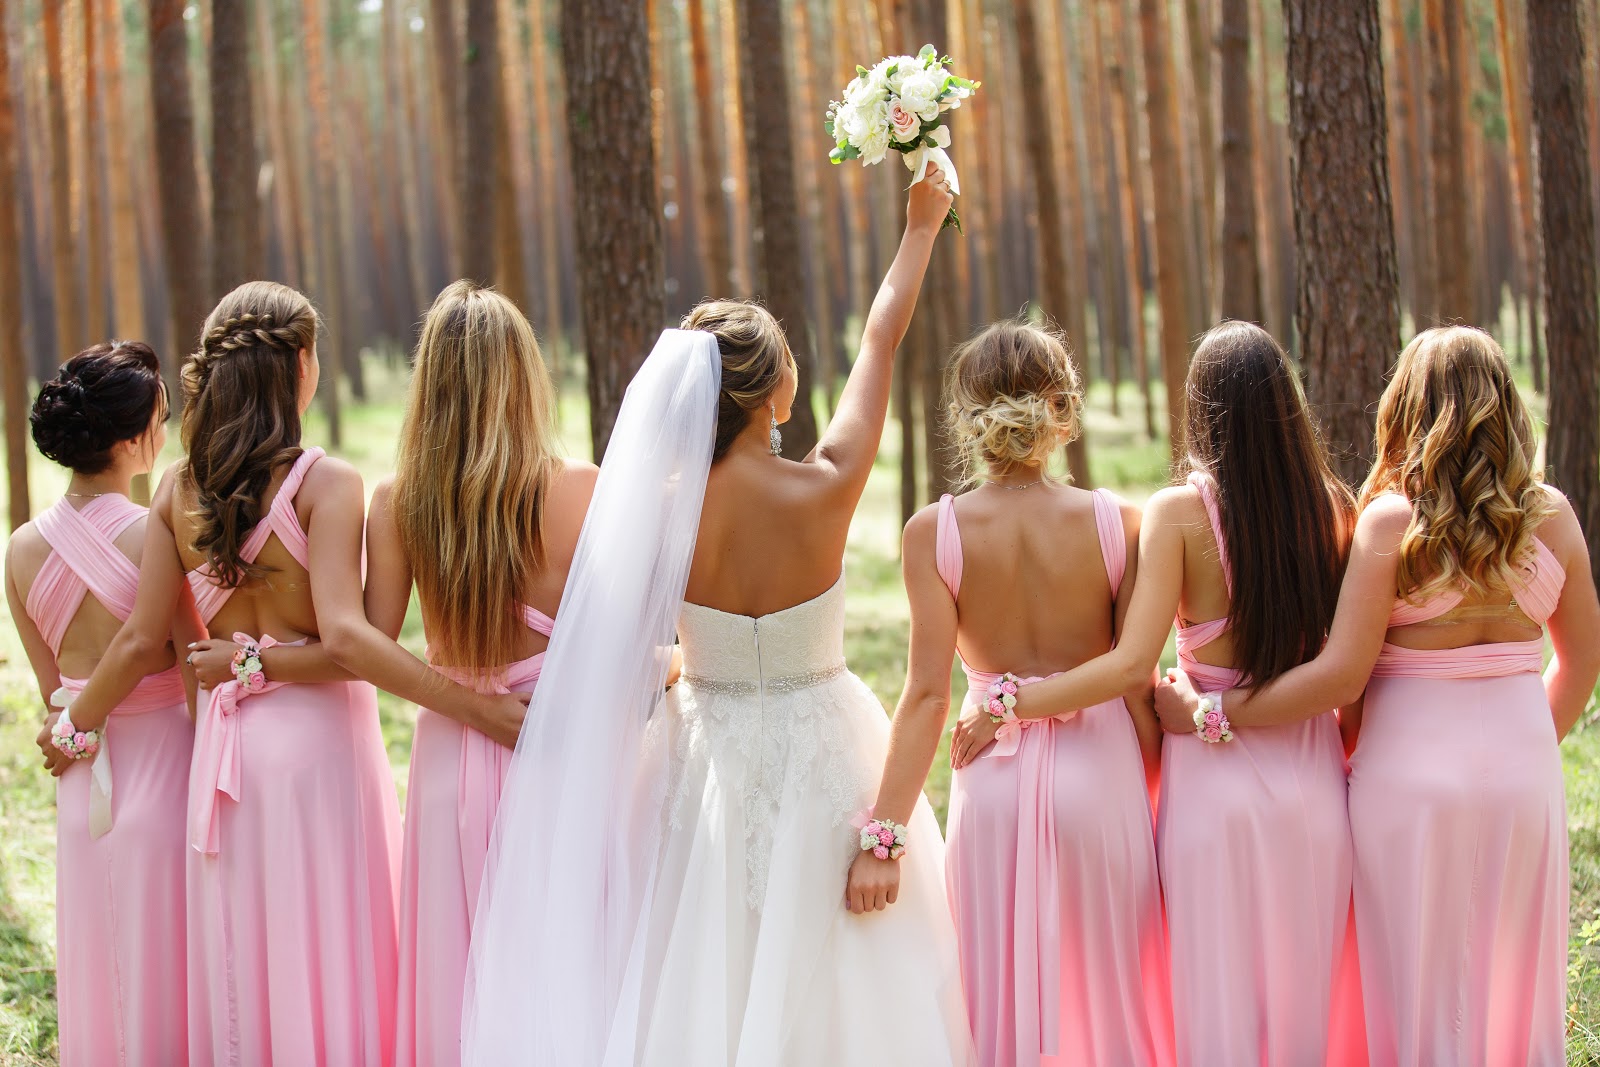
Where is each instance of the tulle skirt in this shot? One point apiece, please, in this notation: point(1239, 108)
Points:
point(292, 919)
point(120, 899)
point(751, 958)
point(1458, 815)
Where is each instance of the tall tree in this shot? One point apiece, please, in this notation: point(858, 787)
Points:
point(1240, 295)
point(1446, 142)
point(1347, 309)
point(621, 298)
point(1125, 130)
point(1201, 33)
point(235, 166)
point(1054, 282)
point(127, 286)
point(446, 61)
point(13, 357)
point(778, 253)
point(1172, 260)
point(63, 252)
point(713, 213)
point(96, 243)
point(1572, 328)
point(182, 232)
point(1513, 88)
point(551, 163)
point(323, 248)
point(477, 121)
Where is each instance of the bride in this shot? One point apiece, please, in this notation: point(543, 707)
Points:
point(666, 884)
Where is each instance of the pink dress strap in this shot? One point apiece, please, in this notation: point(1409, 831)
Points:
point(537, 621)
point(1208, 496)
point(280, 519)
point(1208, 677)
point(1113, 540)
point(83, 559)
point(947, 546)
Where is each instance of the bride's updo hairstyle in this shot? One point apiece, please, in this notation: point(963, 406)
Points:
point(754, 351)
point(241, 419)
point(1014, 398)
point(99, 398)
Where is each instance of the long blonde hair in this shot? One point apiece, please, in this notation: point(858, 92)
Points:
point(1456, 440)
point(477, 450)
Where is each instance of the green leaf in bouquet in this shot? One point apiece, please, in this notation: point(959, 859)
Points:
point(928, 52)
point(843, 152)
point(862, 72)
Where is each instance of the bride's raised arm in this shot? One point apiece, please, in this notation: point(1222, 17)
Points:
point(851, 441)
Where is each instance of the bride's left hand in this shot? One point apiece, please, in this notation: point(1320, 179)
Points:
point(974, 732)
point(873, 884)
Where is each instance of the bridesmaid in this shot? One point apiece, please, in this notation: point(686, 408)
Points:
point(1461, 558)
point(71, 577)
point(293, 825)
point(488, 553)
point(1051, 864)
point(1253, 837)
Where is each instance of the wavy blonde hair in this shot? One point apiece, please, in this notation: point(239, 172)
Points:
point(1455, 439)
point(477, 450)
point(1014, 398)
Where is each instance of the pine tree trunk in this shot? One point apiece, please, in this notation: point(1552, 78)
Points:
point(1446, 137)
point(738, 152)
point(63, 253)
point(1240, 296)
point(605, 53)
point(551, 206)
point(446, 58)
point(13, 356)
point(478, 122)
point(235, 216)
point(179, 187)
point(322, 245)
point(1513, 88)
point(1172, 267)
point(1347, 312)
point(1125, 129)
point(1200, 31)
point(778, 252)
point(96, 246)
point(399, 88)
point(1572, 328)
point(1111, 311)
point(127, 285)
point(713, 215)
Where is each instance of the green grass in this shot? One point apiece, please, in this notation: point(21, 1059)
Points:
point(876, 634)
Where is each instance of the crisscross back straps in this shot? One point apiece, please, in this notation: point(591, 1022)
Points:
point(83, 559)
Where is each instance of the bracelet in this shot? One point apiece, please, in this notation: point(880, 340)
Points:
point(1210, 724)
point(884, 839)
point(247, 668)
point(1002, 703)
point(67, 738)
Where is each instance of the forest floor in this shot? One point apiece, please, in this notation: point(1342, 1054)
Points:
point(877, 626)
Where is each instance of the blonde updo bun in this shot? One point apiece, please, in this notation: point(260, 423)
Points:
point(1014, 396)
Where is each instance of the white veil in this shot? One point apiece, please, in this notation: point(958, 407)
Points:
point(553, 977)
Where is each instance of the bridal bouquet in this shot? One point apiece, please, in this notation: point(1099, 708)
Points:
point(900, 104)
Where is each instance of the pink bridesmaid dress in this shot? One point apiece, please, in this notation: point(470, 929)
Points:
point(456, 775)
point(1458, 814)
point(1254, 844)
point(294, 832)
point(119, 821)
point(1051, 870)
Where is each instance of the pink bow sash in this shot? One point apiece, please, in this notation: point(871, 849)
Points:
point(482, 772)
point(1009, 735)
point(1493, 660)
point(153, 693)
point(216, 754)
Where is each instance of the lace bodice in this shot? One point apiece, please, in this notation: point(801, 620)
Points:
point(787, 650)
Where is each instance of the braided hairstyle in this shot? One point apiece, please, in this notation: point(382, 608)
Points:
point(241, 419)
point(102, 396)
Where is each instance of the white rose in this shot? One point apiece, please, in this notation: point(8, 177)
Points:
point(920, 93)
point(874, 143)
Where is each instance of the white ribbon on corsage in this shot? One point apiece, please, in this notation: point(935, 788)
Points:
point(919, 161)
point(99, 769)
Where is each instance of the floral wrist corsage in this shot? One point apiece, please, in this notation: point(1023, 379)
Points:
point(1210, 724)
point(884, 839)
point(1002, 703)
point(247, 668)
point(67, 738)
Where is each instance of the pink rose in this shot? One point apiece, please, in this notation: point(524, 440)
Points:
point(997, 706)
point(881, 852)
point(1009, 688)
point(1213, 718)
point(1213, 733)
point(80, 739)
point(905, 122)
point(886, 836)
point(258, 680)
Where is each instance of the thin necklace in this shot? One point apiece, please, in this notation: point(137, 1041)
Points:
point(1026, 485)
point(90, 496)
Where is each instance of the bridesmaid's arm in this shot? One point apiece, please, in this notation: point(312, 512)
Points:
point(1574, 625)
point(41, 659)
point(920, 716)
point(1338, 675)
point(388, 592)
point(140, 646)
point(335, 533)
point(1141, 702)
point(1152, 604)
point(850, 442)
point(187, 630)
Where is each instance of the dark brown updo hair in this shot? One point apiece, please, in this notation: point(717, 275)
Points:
point(754, 351)
point(99, 398)
point(1014, 397)
point(241, 421)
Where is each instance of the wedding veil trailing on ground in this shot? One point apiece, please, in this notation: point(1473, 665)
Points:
point(554, 972)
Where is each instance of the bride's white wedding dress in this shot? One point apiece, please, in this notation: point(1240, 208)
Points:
point(750, 956)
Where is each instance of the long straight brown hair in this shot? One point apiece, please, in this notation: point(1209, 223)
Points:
point(1286, 516)
point(477, 449)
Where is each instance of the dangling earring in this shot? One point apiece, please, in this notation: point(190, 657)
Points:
point(774, 438)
